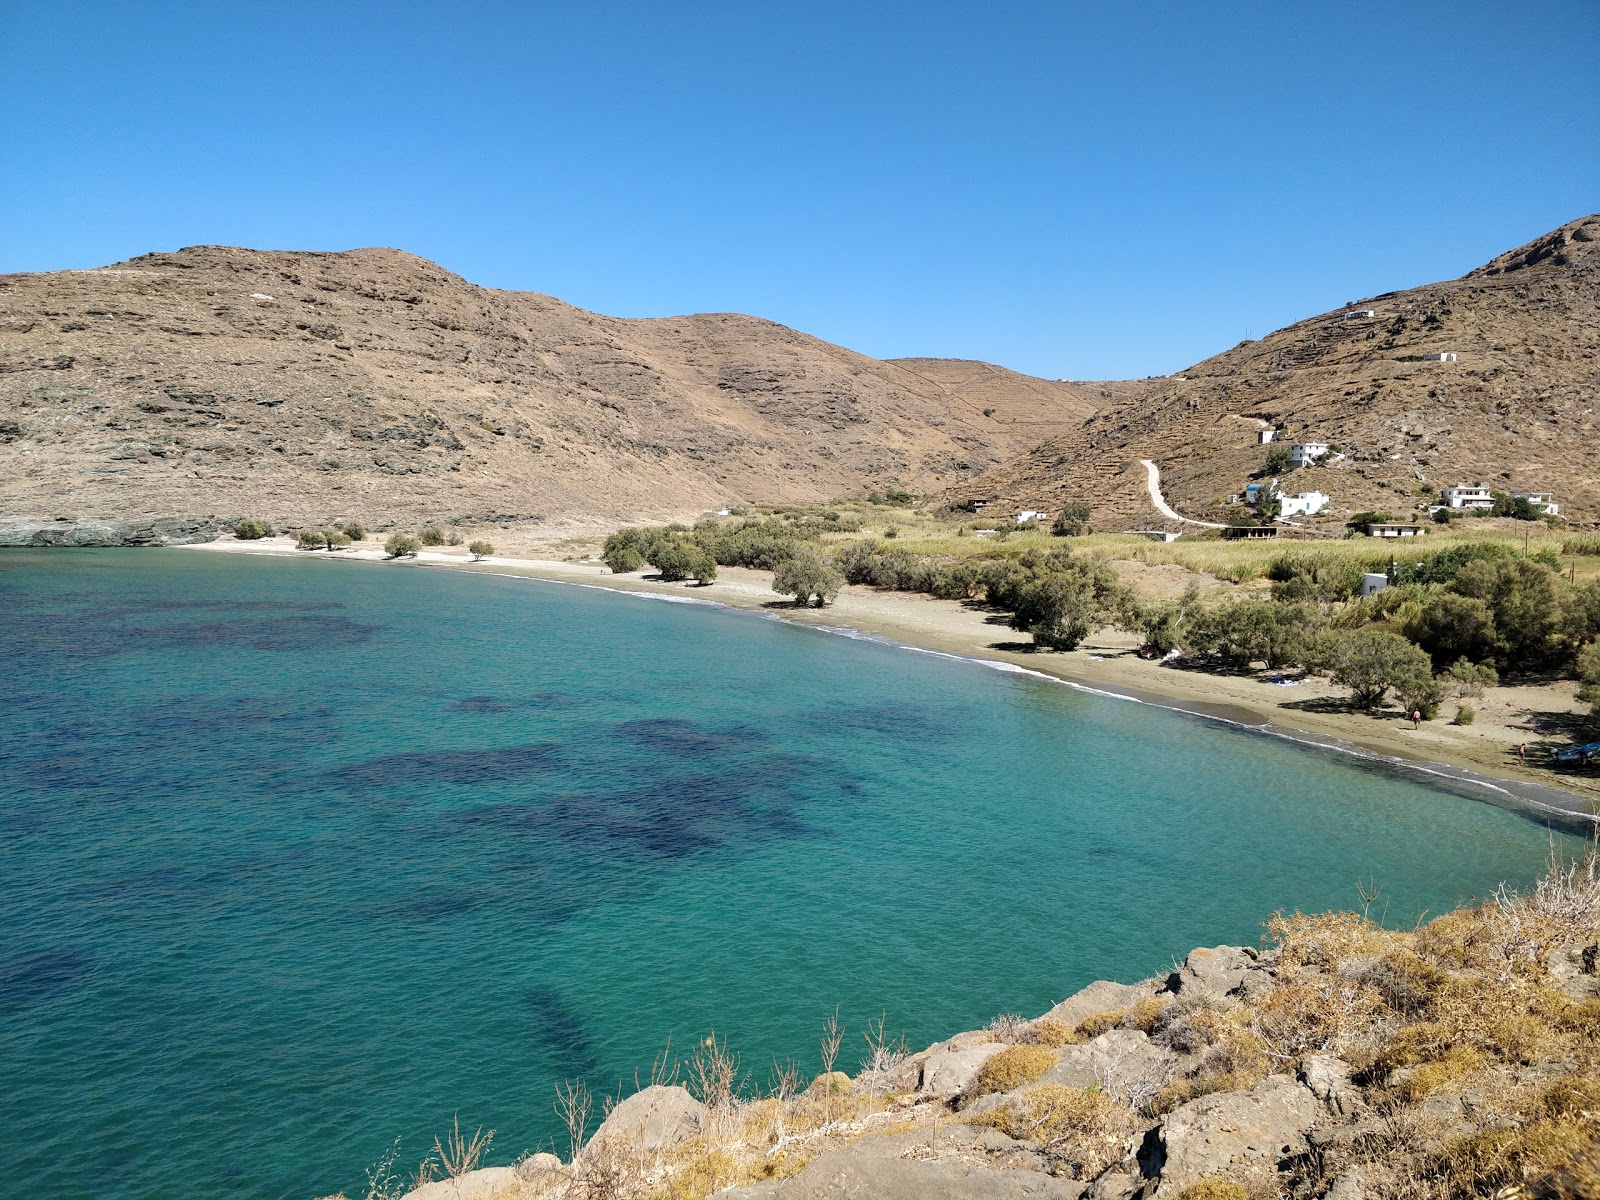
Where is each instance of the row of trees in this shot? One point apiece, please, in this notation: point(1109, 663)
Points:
point(337, 537)
point(1448, 625)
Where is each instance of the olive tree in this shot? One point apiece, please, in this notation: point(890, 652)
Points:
point(249, 529)
point(402, 545)
point(1072, 520)
point(310, 539)
point(806, 577)
point(1372, 660)
point(480, 550)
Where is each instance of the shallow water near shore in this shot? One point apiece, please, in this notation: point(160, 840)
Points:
point(301, 857)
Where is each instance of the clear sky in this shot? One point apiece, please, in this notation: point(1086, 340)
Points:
point(1088, 190)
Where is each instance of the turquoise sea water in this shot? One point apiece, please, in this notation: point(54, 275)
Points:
point(302, 856)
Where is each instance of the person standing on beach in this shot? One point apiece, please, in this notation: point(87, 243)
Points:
point(1522, 753)
point(1416, 718)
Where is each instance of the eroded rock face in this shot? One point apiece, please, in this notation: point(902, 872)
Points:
point(652, 1120)
point(154, 531)
point(1328, 1077)
point(1219, 1134)
point(1218, 970)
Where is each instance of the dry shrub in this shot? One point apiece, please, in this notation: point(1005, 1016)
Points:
point(1011, 1068)
point(1010, 1028)
point(1429, 1077)
point(1143, 1015)
point(1405, 982)
point(1081, 1131)
point(1326, 940)
point(1215, 1189)
point(1048, 1031)
point(1092, 1027)
point(1313, 1012)
point(1481, 1163)
point(1236, 1056)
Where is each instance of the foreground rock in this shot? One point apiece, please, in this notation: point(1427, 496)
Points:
point(962, 1164)
point(1224, 1135)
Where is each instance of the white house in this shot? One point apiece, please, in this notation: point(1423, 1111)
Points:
point(1030, 514)
point(1545, 502)
point(1359, 314)
point(1462, 496)
point(1266, 435)
point(1309, 503)
point(1394, 530)
point(1442, 356)
point(1373, 581)
point(1303, 454)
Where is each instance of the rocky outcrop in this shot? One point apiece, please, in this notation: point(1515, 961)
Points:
point(1099, 997)
point(949, 1072)
point(151, 531)
point(652, 1120)
point(1223, 1135)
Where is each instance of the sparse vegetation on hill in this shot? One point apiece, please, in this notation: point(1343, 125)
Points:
point(308, 377)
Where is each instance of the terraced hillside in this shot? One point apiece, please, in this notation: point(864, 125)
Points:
point(373, 384)
point(1516, 409)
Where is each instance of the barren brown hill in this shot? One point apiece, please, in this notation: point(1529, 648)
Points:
point(373, 384)
point(1516, 409)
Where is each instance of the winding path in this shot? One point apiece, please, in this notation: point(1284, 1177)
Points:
point(1153, 482)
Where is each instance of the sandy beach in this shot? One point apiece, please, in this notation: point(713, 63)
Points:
point(1483, 756)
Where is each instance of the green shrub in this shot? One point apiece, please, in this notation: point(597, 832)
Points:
point(1072, 520)
point(402, 545)
point(431, 535)
point(624, 560)
point(337, 540)
point(310, 539)
point(480, 549)
point(356, 530)
point(249, 529)
point(805, 576)
point(1465, 715)
point(1371, 661)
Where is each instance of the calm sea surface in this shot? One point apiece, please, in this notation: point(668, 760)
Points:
point(302, 856)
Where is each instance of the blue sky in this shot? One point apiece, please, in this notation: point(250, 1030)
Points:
point(1081, 190)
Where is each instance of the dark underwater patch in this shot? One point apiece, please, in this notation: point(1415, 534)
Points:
point(231, 714)
point(688, 739)
point(560, 1032)
point(98, 635)
point(450, 766)
point(301, 632)
point(505, 704)
point(33, 979)
point(903, 722)
point(429, 904)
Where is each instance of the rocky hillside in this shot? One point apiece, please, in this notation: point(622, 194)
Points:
point(1518, 409)
point(375, 385)
point(1460, 1059)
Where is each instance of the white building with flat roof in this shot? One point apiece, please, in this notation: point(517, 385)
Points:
point(1303, 454)
point(1306, 503)
point(1468, 496)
